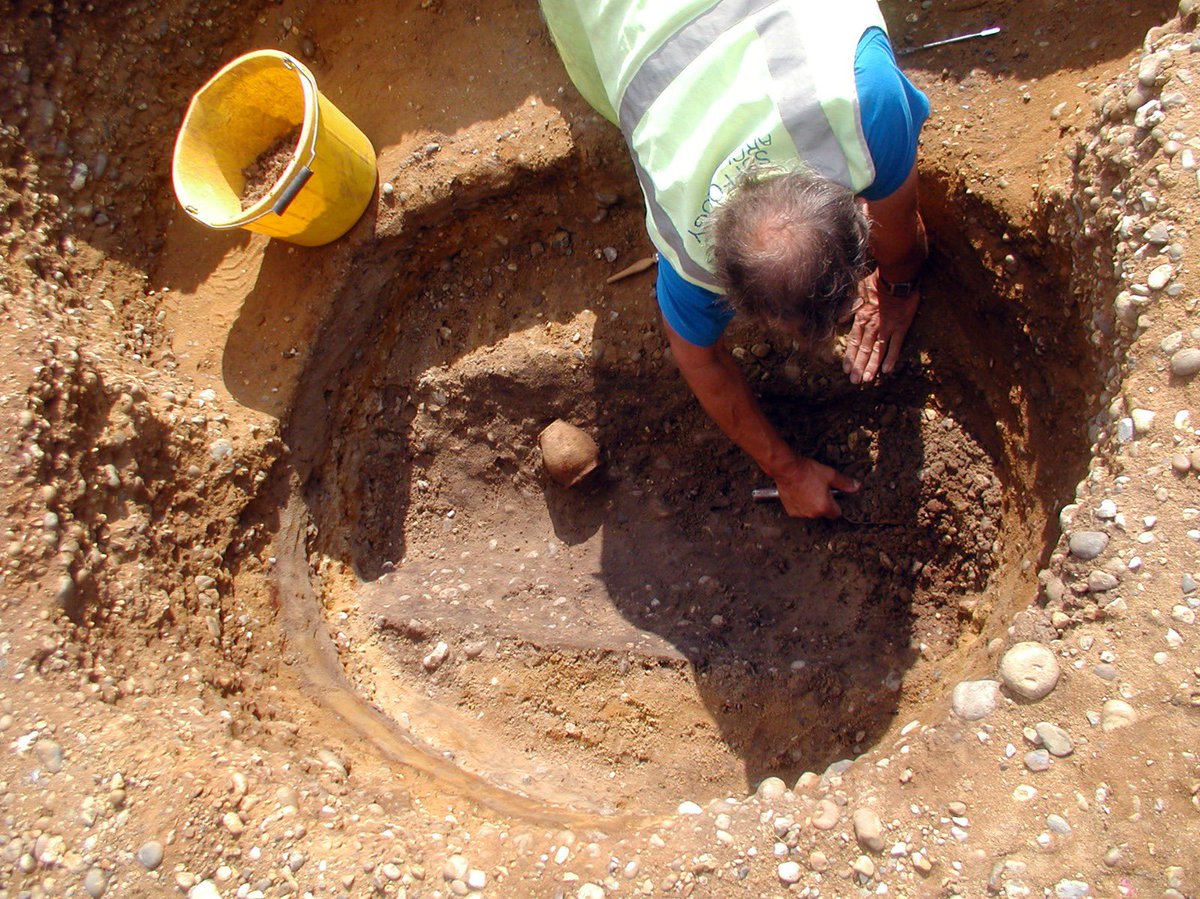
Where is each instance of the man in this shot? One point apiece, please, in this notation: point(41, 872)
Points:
point(759, 130)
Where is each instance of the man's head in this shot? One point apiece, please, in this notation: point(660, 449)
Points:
point(790, 249)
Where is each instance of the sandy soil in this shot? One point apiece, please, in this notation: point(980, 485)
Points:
point(291, 608)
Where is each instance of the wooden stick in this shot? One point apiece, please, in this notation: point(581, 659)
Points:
point(640, 266)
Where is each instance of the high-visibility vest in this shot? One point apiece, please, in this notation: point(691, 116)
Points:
point(703, 89)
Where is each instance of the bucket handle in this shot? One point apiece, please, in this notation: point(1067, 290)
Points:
point(305, 172)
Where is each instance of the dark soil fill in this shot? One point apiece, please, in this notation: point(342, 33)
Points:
point(264, 172)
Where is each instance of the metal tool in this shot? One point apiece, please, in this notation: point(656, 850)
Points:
point(763, 494)
point(987, 32)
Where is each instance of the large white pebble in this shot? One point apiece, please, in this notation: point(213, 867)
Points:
point(975, 699)
point(789, 872)
point(1115, 714)
point(1030, 670)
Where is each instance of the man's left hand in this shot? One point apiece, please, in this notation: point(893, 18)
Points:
point(880, 325)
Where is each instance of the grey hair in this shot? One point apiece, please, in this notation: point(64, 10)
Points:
point(791, 247)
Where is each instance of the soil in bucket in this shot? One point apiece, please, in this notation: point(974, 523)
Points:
point(268, 168)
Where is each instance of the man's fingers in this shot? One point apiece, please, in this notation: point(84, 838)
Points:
point(862, 355)
point(852, 344)
point(874, 359)
point(844, 483)
point(832, 509)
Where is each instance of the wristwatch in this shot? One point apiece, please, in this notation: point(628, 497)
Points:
point(900, 290)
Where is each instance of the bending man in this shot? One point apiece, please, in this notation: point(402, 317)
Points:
point(775, 142)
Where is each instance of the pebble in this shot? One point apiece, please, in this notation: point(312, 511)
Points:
point(1037, 760)
point(1087, 545)
point(771, 789)
point(1186, 363)
point(1107, 510)
point(1071, 889)
point(826, 816)
point(1101, 581)
point(921, 863)
point(1115, 714)
point(150, 855)
point(1158, 234)
point(1187, 583)
point(1158, 278)
point(818, 861)
point(868, 830)
point(96, 883)
point(974, 700)
point(590, 891)
point(1058, 825)
point(1030, 670)
point(1055, 739)
point(689, 808)
point(434, 660)
point(456, 868)
point(1181, 463)
point(789, 872)
point(864, 865)
point(50, 754)
point(1183, 614)
point(205, 889)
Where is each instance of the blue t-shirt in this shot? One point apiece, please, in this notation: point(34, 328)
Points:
point(893, 111)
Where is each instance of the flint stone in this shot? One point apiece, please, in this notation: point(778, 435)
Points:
point(973, 700)
point(1055, 739)
point(1087, 545)
point(1186, 363)
point(868, 830)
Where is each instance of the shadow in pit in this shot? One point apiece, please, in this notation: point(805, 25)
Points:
point(797, 632)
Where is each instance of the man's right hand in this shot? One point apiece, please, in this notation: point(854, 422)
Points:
point(806, 489)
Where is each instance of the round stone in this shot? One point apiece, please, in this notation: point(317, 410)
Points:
point(150, 855)
point(1101, 581)
point(1186, 362)
point(771, 789)
point(789, 872)
point(1087, 545)
point(95, 883)
point(973, 700)
point(1030, 670)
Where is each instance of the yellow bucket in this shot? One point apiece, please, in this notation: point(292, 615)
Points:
point(240, 113)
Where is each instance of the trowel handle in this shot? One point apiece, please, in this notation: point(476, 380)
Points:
point(762, 494)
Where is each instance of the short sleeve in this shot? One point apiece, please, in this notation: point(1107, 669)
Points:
point(893, 111)
point(697, 315)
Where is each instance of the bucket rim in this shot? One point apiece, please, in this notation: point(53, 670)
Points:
point(306, 144)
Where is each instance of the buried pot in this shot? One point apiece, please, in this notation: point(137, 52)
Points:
point(569, 453)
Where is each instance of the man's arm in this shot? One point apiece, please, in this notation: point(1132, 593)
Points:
point(899, 246)
point(718, 383)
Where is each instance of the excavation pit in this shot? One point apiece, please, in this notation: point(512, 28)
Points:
point(652, 633)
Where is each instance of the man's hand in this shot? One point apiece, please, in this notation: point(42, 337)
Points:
point(806, 489)
point(880, 325)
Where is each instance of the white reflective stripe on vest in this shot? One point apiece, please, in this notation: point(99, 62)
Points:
point(704, 89)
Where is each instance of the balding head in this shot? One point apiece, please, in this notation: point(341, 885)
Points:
point(791, 248)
